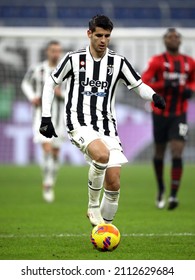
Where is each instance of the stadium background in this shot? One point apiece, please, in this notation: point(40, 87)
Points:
point(26, 27)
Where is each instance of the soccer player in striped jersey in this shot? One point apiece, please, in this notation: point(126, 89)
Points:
point(172, 75)
point(32, 86)
point(92, 75)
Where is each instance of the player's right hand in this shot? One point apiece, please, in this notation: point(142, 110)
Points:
point(46, 128)
point(159, 101)
point(187, 93)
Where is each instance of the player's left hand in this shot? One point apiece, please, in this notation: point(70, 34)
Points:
point(46, 128)
point(159, 101)
point(36, 101)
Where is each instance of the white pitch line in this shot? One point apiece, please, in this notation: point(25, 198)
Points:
point(85, 235)
point(159, 234)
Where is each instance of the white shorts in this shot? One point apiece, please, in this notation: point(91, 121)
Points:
point(56, 142)
point(84, 135)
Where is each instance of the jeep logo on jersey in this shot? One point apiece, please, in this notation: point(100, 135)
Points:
point(93, 83)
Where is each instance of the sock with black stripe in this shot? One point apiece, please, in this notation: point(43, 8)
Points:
point(109, 205)
point(158, 168)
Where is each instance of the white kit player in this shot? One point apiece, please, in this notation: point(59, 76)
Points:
point(92, 75)
point(32, 86)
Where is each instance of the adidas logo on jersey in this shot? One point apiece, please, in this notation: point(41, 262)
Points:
point(93, 83)
point(82, 69)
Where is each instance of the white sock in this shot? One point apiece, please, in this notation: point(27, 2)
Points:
point(56, 165)
point(96, 178)
point(109, 205)
point(49, 169)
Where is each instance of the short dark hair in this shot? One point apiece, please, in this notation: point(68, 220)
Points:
point(100, 21)
point(170, 30)
point(52, 42)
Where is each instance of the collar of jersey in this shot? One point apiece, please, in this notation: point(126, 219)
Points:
point(88, 50)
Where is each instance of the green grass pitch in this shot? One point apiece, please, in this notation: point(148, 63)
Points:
point(33, 229)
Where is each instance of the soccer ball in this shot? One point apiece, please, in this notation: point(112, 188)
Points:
point(105, 237)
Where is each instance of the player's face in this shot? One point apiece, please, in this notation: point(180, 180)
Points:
point(99, 40)
point(172, 41)
point(54, 53)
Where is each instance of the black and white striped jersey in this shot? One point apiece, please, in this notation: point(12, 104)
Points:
point(91, 87)
point(32, 86)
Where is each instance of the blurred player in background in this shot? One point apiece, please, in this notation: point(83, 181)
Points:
point(92, 75)
point(32, 86)
point(172, 75)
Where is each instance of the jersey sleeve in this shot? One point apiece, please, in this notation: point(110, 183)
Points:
point(149, 74)
point(129, 76)
point(47, 97)
point(145, 92)
point(62, 70)
point(191, 78)
point(26, 84)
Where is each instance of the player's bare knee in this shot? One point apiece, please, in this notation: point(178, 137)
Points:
point(47, 148)
point(177, 148)
point(176, 153)
point(98, 151)
point(103, 156)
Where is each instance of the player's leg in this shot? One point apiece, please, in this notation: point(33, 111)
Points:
point(158, 163)
point(47, 159)
point(47, 168)
point(57, 142)
point(177, 148)
point(177, 135)
point(160, 140)
point(110, 199)
point(56, 163)
point(99, 154)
